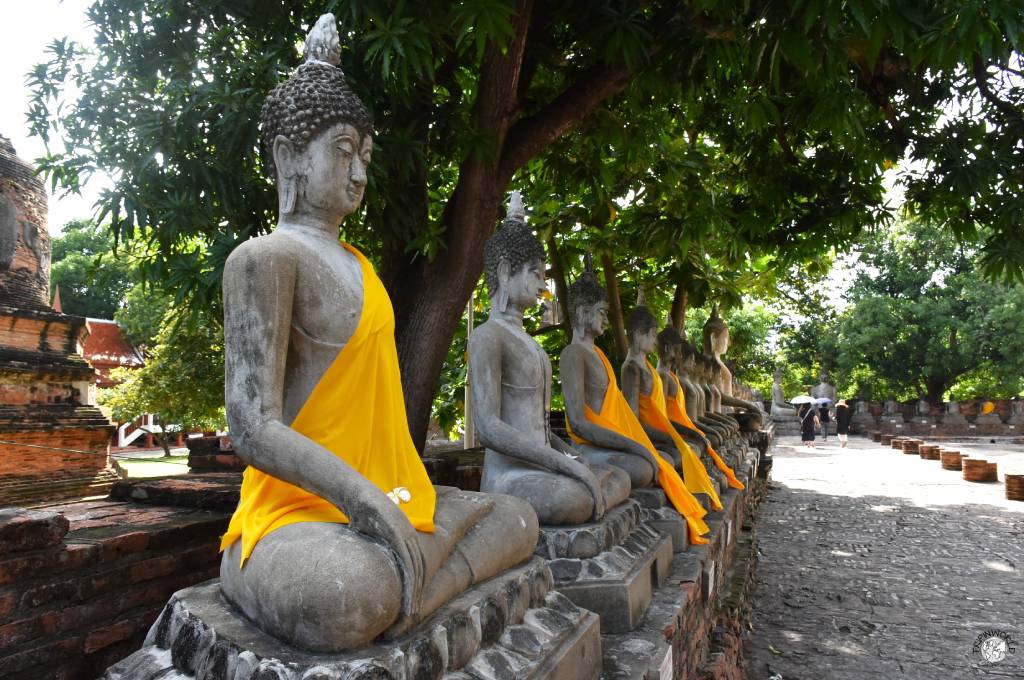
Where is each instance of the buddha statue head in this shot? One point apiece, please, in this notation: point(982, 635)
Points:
point(670, 347)
point(642, 328)
point(588, 304)
point(716, 334)
point(318, 135)
point(514, 261)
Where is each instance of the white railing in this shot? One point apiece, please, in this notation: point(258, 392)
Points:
point(129, 431)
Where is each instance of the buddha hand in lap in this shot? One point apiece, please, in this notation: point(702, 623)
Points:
point(339, 535)
point(510, 382)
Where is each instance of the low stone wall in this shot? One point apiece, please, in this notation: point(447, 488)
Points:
point(693, 627)
point(80, 584)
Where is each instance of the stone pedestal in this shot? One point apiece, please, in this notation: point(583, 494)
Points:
point(989, 423)
point(656, 512)
point(610, 567)
point(511, 626)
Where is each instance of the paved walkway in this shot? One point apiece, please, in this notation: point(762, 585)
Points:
point(875, 565)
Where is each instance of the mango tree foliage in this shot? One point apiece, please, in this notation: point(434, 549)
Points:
point(923, 322)
point(793, 110)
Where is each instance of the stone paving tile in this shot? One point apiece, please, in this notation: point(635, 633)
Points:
point(875, 564)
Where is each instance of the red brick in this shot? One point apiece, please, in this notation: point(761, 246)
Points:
point(8, 602)
point(62, 591)
point(101, 609)
point(30, 529)
point(39, 657)
point(108, 635)
point(152, 568)
point(17, 632)
point(115, 547)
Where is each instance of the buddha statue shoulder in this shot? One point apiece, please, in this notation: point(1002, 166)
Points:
point(339, 536)
point(510, 388)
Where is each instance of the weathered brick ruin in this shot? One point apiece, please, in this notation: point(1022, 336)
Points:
point(53, 441)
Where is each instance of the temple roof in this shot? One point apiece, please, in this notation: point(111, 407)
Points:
point(106, 345)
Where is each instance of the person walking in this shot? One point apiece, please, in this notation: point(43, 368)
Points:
point(843, 417)
point(808, 422)
point(823, 418)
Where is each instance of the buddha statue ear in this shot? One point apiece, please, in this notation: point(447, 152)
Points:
point(504, 280)
point(287, 175)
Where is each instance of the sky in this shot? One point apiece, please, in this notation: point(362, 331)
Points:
point(29, 28)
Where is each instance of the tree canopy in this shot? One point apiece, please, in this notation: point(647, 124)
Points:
point(709, 145)
point(92, 279)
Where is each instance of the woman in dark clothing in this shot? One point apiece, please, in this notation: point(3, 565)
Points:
point(824, 419)
point(808, 421)
point(843, 417)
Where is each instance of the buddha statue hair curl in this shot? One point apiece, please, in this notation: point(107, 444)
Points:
point(314, 98)
point(640, 321)
point(514, 243)
point(669, 338)
point(586, 291)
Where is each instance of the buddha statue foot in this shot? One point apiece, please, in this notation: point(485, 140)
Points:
point(513, 625)
point(616, 582)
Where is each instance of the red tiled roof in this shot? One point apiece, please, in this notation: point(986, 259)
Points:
point(107, 346)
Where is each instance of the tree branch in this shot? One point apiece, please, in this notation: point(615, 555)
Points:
point(980, 72)
point(531, 135)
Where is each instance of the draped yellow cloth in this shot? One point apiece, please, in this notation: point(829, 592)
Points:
point(653, 412)
point(357, 412)
point(677, 414)
point(617, 416)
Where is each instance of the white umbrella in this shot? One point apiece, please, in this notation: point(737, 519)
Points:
point(802, 399)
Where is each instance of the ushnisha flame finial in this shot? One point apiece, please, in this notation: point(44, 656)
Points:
point(640, 295)
point(516, 211)
point(588, 261)
point(323, 43)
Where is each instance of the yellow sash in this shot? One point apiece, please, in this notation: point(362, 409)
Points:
point(357, 412)
point(653, 412)
point(617, 416)
point(677, 413)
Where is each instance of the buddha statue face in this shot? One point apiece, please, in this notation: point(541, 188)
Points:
point(592, 319)
point(328, 176)
point(523, 287)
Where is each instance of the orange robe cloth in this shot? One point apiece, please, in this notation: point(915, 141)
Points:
point(653, 412)
point(677, 414)
point(617, 416)
point(357, 412)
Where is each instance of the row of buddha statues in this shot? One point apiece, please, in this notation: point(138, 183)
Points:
point(339, 538)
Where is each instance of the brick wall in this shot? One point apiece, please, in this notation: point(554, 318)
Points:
point(80, 584)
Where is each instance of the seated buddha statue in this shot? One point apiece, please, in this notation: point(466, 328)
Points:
point(670, 344)
point(598, 417)
point(644, 391)
point(339, 536)
point(696, 397)
point(510, 388)
point(716, 345)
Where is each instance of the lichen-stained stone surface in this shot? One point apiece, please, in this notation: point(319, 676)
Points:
point(874, 564)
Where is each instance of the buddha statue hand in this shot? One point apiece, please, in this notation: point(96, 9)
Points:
point(375, 514)
point(585, 476)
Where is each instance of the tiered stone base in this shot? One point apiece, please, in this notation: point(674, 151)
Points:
point(511, 626)
point(657, 513)
point(610, 567)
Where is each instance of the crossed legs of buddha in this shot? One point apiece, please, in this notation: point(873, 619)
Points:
point(325, 587)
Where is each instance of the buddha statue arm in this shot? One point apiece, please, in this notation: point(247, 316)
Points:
point(632, 384)
point(258, 293)
point(495, 433)
point(573, 370)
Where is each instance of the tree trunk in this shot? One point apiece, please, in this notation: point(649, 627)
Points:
point(561, 285)
point(611, 283)
point(935, 388)
point(429, 296)
point(679, 308)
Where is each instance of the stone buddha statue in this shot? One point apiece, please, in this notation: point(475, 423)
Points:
point(696, 397)
point(716, 345)
point(824, 389)
point(585, 383)
point(709, 377)
point(510, 382)
point(780, 407)
point(339, 537)
point(670, 357)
